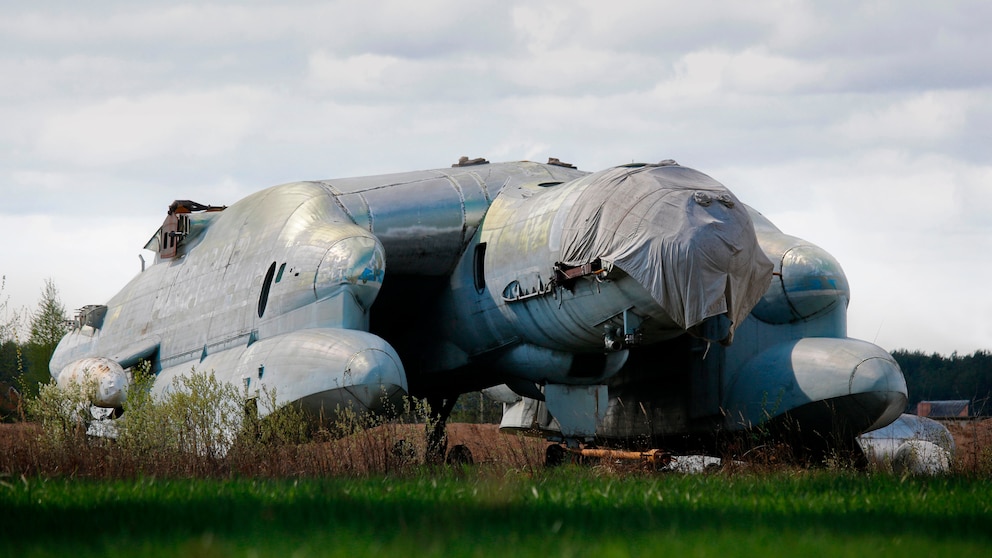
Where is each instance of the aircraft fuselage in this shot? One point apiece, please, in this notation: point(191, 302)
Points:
point(640, 300)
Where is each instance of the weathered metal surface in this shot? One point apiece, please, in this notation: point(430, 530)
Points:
point(540, 277)
point(102, 379)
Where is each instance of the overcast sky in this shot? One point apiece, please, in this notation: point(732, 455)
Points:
point(861, 126)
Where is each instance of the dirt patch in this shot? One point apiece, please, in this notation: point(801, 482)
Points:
point(973, 439)
point(486, 444)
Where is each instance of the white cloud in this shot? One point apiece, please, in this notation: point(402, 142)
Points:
point(580, 70)
point(389, 26)
point(376, 78)
point(861, 127)
point(758, 71)
point(664, 28)
point(122, 130)
point(62, 249)
point(137, 24)
point(362, 73)
point(526, 149)
point(904, 230)
point(78, 74)
point(932, 116)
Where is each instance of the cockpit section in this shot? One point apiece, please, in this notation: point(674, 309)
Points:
point(184, 222)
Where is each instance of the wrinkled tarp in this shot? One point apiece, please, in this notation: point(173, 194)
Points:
point(681, 234)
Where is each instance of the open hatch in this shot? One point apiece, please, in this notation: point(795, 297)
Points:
point(178, 227)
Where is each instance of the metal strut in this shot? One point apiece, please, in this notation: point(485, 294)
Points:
point(655, 459)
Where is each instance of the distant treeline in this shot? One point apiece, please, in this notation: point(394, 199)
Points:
point(934, 377)
point(476, 408)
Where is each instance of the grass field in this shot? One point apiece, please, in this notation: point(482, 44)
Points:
point(347, 490)
point(572, 511)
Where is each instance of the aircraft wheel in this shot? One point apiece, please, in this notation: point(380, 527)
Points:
point(460, 455)
point(554, 456)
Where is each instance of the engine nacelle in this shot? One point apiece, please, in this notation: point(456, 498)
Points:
point(103, 380)
point(632, 255)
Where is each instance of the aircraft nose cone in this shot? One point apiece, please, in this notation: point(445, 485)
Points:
point(880, 388)
point(102, 379)
point(374, 379)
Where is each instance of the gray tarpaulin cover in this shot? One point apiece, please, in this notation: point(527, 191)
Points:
point(681, 234)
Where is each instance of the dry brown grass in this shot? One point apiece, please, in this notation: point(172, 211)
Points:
point(973, 439)
point(366, 452)
point(371, 451)
point(350, 446)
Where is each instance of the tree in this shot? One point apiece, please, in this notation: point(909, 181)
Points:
point(10, 363)
point(48, 325)
point(476, 408)
point(935, 377)
point(11, 356)
point(10, 322)
point(10, 349)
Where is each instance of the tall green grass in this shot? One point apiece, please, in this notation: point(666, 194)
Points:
point(177, 483)
point(567, 512)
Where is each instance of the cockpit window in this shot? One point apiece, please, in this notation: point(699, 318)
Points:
point(263, 297)
point(479, 266)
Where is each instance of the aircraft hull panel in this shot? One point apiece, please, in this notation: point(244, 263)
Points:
point(323, 368)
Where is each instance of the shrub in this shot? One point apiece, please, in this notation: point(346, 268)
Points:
point(62, 412)
point(201, 427)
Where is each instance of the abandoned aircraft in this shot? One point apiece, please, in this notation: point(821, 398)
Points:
point(641, 303)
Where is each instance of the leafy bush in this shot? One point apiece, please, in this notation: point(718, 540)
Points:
point(62, 412)
point(200, 426)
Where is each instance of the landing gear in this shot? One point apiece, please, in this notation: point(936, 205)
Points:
point(554, 456)
point(459, 455)
point(437, 436)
